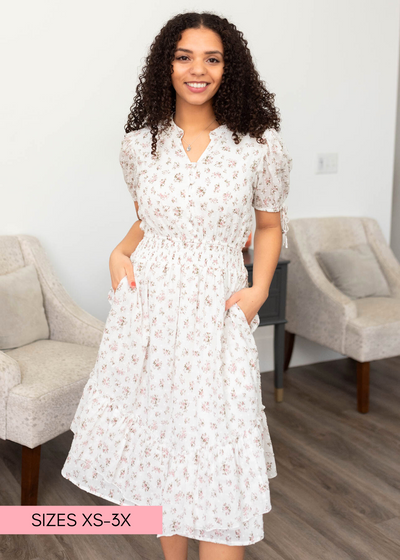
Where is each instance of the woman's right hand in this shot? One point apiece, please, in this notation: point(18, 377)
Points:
point(120, 266)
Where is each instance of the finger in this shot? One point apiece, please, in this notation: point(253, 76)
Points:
point(131, 278)
point(230, 301)
point(116, 283)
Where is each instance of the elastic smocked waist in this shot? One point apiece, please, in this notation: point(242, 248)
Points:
point(177, 243)
point(157, 255)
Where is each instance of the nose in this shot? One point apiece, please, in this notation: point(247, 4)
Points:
point(197, 68)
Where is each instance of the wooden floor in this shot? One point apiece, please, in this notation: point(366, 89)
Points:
point(336, 496)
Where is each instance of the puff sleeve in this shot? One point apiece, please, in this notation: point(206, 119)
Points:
point(127, 160)
point(271, 186)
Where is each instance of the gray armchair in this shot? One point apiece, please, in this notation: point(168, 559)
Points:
point(364, 329)
point(41, 382)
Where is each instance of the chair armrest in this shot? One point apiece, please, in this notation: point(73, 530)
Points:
point(384, 254)
point(316, 309)
point(10, 375)
point(67, 321)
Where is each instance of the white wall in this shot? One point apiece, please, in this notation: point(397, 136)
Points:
point(69, 78)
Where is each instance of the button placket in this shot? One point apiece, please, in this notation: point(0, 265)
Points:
point(192, 171)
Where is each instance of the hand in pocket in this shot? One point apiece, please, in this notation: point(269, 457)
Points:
point(248, 302)
point(121, 266)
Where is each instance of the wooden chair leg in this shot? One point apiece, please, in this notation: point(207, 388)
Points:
point(363, 387)
point(289, 343)
point(30, 475)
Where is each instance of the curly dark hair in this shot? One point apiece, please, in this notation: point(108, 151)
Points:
point(242, 101)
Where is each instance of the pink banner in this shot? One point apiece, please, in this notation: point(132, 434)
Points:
point(80, 520)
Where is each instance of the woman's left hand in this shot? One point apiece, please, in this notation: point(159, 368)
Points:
point(249, 300)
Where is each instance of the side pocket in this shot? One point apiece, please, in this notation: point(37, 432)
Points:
point(111, 293)
point(120, 282)
point(255, 321)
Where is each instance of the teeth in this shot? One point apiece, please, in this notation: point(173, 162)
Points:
point(196, 85)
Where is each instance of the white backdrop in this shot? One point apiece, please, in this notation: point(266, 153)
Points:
point(69, 76)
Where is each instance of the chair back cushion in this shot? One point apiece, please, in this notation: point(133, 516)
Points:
point(354, 271)
point(328, 233)
point(22, 315)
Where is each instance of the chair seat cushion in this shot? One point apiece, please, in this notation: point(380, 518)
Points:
point(53, 377)
point(375, 332)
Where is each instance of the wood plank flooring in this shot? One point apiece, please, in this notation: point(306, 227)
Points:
point(336, 496)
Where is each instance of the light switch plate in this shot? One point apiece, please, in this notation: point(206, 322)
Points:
point(327, 163)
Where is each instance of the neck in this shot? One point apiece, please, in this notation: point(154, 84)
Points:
point(192, 118)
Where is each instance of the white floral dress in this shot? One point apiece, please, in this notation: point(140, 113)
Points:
point(172, 413)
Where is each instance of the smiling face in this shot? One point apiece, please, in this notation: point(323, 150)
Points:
point(198, 66)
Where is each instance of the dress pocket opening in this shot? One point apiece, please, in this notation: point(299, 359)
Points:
point(255, 321)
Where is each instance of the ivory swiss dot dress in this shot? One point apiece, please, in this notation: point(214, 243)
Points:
point(172, 413)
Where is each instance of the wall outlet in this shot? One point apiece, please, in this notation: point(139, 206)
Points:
point(327, 163)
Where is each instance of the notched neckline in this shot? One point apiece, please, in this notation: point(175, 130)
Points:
point(180, 132)
point(214, 134)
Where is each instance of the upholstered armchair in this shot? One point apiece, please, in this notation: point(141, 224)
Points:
point(48, 347)
point(362, 328)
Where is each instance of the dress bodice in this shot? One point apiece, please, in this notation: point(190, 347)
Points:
point(210, 200)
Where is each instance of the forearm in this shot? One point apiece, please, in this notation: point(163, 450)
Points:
point(267, 248)
point(131, 240)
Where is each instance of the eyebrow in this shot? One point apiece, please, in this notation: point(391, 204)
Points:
point(205, 52)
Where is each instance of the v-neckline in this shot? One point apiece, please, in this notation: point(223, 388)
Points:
point(212, 134)
point(201, 155)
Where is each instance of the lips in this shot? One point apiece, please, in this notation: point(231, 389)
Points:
point(197, 89)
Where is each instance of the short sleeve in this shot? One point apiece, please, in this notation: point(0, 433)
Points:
point(271, 186)
point(127, 159)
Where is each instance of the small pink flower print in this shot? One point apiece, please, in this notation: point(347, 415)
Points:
point(206, 406)
point(126, 391)
point(172, 412)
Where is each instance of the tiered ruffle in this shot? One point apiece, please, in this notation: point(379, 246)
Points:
point(144, 466)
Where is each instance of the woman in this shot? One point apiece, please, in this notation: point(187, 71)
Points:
point(172, 413)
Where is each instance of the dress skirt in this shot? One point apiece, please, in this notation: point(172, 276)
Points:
point(172, 413)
